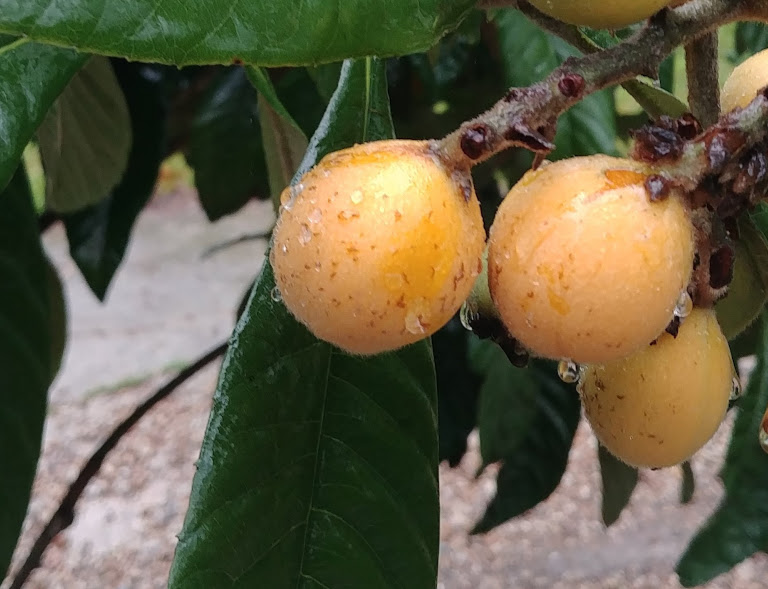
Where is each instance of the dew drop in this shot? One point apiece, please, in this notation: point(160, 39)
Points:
point(468, 314)
point(276, 295)
point(315, 216)
point(684, 305)
point(568, 371)
point(413, 324)
point(305, 235)
point(356, 197)
point(284, 248)
point(736, 389)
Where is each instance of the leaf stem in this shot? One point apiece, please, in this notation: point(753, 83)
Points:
point(13, 45)
point(65, 514)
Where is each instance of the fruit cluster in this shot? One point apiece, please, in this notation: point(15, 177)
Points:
point(588, 262)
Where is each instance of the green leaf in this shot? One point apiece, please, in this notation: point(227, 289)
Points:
point(25, 348)
point(655, 101)
point(291, 32)
point(535, 453)
point(225, 148)
point(619, 481)
point(458, 387)
point(688, 487)
point(283, 139)
point(85, 139)
point(751, 37)
point(318, 469)
point(31, 77)
point(528, 55)
point(57, 317)
point(747, 292)
point(99, 235)
point(739, 527)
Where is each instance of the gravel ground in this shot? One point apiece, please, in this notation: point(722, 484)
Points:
point(124, 532)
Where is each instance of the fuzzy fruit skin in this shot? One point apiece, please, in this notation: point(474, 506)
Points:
point(660, 405)
point(379, 247)
point(745, 81)
point(582, 265)
point(600, 14)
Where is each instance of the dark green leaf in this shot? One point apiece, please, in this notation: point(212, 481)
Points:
point(739, 526)
point(458, 387)
point(751, 37)
point(225, 147)
point(655, 101)
point(284, 141)
point(31, 77)
point(747, 291)
point(619, 481)
point(25, 348)
point(318, 469)
point(688, 487)
point(529, 54)
point(291, 32)
point(99, 235)
point(535, 456)
point(57, 317)
point(85, 139)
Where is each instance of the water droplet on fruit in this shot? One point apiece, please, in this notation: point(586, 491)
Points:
point(356, 197)
point(568, 371)
point(305, 235)
point(684, 305)
point(468, 314)
point(413, 324)
point(315, 216)
point(736, 389)
point(284, 248)
point(276, 295)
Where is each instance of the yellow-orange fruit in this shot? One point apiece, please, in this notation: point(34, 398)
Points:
point(747, 79)
point(378, 246)
point(660, 405)
point(582, 265)
point(600, 14)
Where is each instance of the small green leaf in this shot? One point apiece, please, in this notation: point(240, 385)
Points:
point(739, 527)
point(619, 481)
point(688, 486)
point(318, 469)
point(290, 32)
point(25, 347)
point(31, 77)
point(85, 139)
point(99, 235)
point(536, 453)
point(654, 100)
point(747, 292)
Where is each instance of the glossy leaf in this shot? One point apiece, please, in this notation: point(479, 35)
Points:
point(528, 55)
point(318, 469)
point(458, 388)
point(291, 32)
point(32, 76)
point(98, 235)
point(739, 526)
point(283, 139)
point(619, 481)
point(748, 290)
point(85, 139)
point(25, 348)
point(225, 147)
point(534, 449)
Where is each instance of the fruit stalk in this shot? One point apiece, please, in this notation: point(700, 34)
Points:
point(527, 117)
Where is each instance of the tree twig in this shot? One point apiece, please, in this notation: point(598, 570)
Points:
point(527, 117)
point(701, 65)
point(65, 514)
